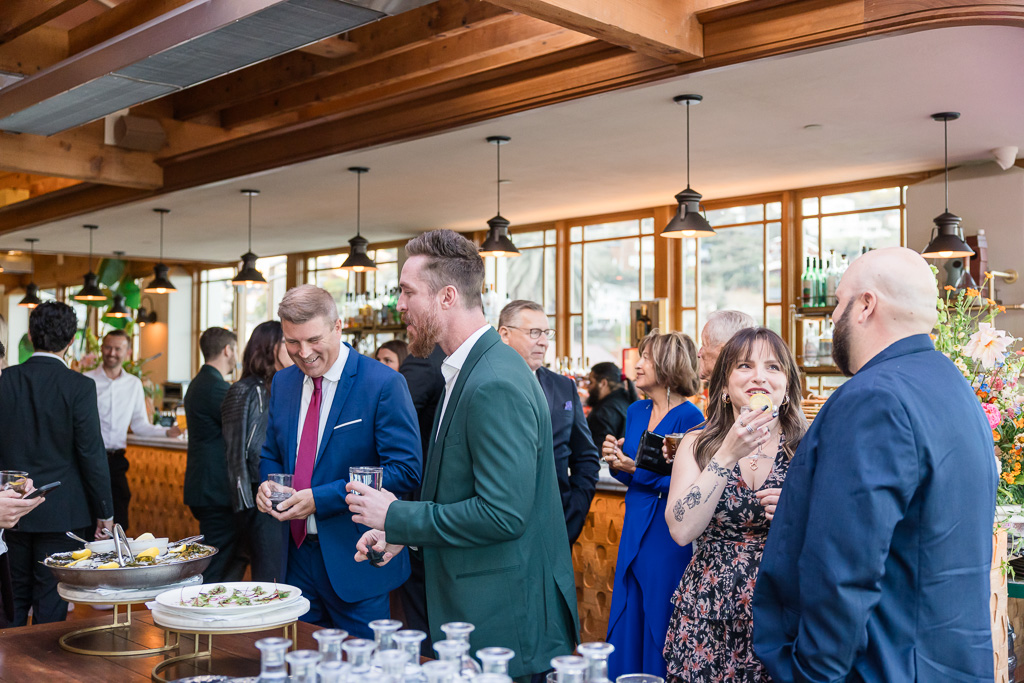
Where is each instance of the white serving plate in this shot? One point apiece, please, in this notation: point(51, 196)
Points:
point(172, 599)
point(135, 546)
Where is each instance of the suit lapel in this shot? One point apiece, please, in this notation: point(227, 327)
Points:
point(436, 451)
point(547, 387)
point(341, 392)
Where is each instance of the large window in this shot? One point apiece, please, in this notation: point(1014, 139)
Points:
point(216, 299)
point(260, 302)
point(385, 278)
point(611, 264)
point(530, 276)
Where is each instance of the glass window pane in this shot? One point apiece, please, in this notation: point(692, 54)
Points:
point(576, 233)
point(219, 306)
point(386, 277)
point(690, 272)
point(576, 336)
point(809, 207)
point(811, 237)
point(736, 214)
point(330, 261)
point(647, 275)
point(774, 318)
point(576, 258)
point(534, 238)
point(647, 226)
point(732, 272)
point(849, 233)
point(774, 263)
point(611, 281)
point(386, 256)
point(335, 281)
point(858, 201)
point(690, 324)
point(525, 277)
point(550, 237)
point(773, 211)
point(616, 229)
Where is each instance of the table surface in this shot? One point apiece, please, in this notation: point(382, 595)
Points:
point(32, 653)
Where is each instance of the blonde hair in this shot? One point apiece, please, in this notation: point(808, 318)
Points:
point(304, 303)
point(674, 359)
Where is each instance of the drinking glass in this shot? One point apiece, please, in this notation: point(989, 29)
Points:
point(383, 632)
point(672, 443)
point(330, 640)
point(357, 652)
point(280, 488)
point(596, 654)
point(494, 660)
point(272, 665)
point(569, 669)
point(409, 640)
point(13, 479)
point(303, 665)
point(371, 476)
point(459, 631)
point(179, 416)
point(335, 671)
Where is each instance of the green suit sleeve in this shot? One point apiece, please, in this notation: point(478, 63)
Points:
point(502, 444)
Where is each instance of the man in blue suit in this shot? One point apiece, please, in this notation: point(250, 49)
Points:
point(523, 325)
point(877, 564)
point(332, 410)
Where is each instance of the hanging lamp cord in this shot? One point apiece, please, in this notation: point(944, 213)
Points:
point(162, 236)
point(359, 202)
point(945, 136)
point(688, 144)
point(250, 222)
point(498, 179)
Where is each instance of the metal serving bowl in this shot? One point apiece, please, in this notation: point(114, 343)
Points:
point(132, 577)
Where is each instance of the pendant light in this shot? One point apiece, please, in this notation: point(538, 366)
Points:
point(90, 290)
point(144, 316)
point(498, 243)
point(160, 284)
point(688, 222)
point(248, 275)
point(947, 235)
point(31, 299)
point(358, 260)
point(118, 310)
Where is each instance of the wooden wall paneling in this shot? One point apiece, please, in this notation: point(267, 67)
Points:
point(157, 480)
point(593, 561)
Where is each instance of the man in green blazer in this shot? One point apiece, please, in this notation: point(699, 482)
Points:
point(489, 522)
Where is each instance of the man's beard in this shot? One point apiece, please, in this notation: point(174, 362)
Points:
point(427, 333)
point(593, 399)
point(841, 343)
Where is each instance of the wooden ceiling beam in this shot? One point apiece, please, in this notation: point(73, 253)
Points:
point(378, 40)
point(34, 51)
point(18, 17)
point(126, 16)
point(470, 47)
point(62, 204)
point(664, 29)
point(80, 159)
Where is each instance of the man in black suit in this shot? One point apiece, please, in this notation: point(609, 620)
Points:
point(523, 325)
point(206, 471)
point(52, 431)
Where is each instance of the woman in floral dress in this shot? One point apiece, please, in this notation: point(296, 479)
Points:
point(726, 481)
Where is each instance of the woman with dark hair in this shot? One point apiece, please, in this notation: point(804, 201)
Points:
point(726, 481)
point(609, 394)
point(649, 563)
point(392, 353)
point(244, 415)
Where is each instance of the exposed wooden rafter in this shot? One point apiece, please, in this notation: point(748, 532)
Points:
point(79, 160)
point(18, 17)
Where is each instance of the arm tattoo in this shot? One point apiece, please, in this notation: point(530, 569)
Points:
point(718, 470)
point(691, 500)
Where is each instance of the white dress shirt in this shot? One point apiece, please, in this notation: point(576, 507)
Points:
point(122, 402)
point(327, 388)
point(452, 365)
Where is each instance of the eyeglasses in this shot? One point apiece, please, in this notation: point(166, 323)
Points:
point(535, 332)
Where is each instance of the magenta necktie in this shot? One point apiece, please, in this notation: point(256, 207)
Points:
point(306, 456)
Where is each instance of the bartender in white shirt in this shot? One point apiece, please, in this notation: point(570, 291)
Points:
point(122, 402)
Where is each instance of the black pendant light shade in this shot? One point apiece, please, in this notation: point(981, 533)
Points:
point(144, 316)
point(359, 260)
point(31, 298)
point(688, 221)
point(118, 310)
point(90, 290)
point(160, 284)
point(247, 274)
point(947, 236)
point(498, 243)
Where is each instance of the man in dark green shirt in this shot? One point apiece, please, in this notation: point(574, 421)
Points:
point(206, 475)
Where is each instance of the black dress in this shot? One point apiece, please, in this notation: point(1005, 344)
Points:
point(710, 633)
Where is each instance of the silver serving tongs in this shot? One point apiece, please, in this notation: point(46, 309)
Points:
point(121, 545)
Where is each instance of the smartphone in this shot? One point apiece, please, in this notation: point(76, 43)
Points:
point(42, 490)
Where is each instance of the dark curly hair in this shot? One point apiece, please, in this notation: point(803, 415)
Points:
point(52, 326)
point(261, 351)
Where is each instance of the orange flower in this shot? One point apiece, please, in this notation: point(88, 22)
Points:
point(990, 302)
point(973, 292)
point(1001, 309)
point(995, 435)
point(949, 288)
point(982, 395)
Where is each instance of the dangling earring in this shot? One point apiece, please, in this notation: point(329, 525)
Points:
point(668, 395)
point(785, 399)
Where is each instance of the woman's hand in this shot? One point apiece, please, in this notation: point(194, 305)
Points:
point(751, 429)
point(611, 450)
point(769, 498)
point(13, 507)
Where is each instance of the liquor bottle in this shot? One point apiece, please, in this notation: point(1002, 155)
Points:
point(806, 283)
point(831, 279)
point(643, 324)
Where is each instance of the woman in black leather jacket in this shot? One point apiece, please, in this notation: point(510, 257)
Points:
point(244, 415)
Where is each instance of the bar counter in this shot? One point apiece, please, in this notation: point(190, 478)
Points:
point(32, 653)
point(156, 476)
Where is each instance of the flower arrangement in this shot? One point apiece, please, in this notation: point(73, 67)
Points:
point(986, 357)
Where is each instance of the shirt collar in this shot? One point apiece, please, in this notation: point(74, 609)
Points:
point(51, 355)
point(453, 363)
point(333, 374)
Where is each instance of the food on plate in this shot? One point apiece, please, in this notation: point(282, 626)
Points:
point(220, 596)
point(109, 565)
point(149, 553)
point(147, 558)
point(81, 554)
point(145, 537)
point(759, 401)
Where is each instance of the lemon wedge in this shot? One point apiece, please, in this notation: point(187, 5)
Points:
point(78, 562)
point(145, 537)
point(109, 565)
point(759, 401)
point(149, 552)
point(176, 549)
point(81, 554)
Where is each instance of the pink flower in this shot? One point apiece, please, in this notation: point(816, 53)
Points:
point(993, 414)
point(988, 345)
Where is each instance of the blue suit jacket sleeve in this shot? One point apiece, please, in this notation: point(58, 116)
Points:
point(584, 467)
point(862, 488)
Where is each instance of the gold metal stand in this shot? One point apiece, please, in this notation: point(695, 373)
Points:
point(119, 624)
point(290, 630)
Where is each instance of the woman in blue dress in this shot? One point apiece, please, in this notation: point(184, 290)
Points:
point(649, 563)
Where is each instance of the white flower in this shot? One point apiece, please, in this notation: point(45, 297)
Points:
point(988, 345)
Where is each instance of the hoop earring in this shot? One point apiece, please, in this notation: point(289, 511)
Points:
point(785, 399)
point(726, 399)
